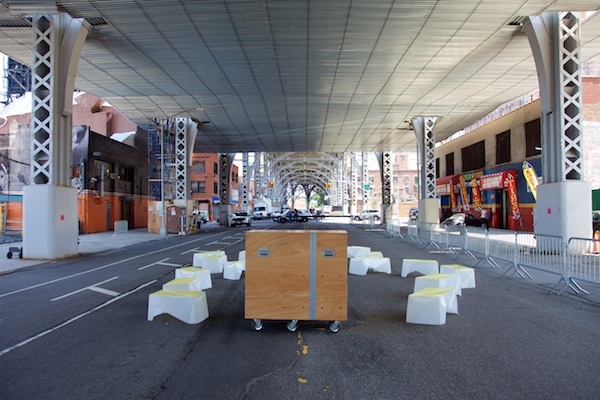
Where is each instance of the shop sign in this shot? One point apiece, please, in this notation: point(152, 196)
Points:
point(511, 186)
point(496, 180)
point(476, 195)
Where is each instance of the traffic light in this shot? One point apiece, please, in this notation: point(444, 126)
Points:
point(328, 185)
point(271, 184)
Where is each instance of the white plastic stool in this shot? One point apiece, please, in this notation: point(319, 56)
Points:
point(451, 281)
point(201, 255)
point(377, 254)
point(427, 306)
point(467, 274)
point(202, 274)
point(189, 284)
point(233, 270)
point(379, 264)
point(357, 251)
point(426, 267)
point(242, 255)
point(189, 307)
point(214, 263)
point(358, 266)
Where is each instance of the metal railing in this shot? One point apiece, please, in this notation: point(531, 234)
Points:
point(573, 261)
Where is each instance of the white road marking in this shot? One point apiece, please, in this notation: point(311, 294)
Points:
point(168, 264)
point(153, 264)
point(42, 334)
point(104, 291)
point(103, 267)
point(85, 288)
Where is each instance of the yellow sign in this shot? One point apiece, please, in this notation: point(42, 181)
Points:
point(531, 178)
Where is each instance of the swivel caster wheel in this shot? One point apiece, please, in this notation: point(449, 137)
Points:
point(257, 324)
point(292, 325)
point(334, 327)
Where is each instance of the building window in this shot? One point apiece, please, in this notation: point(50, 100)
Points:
point(199, 187)
point(216, 168)
point(371, 179)
point(405, 179)
point(395, 179)
point(503, 147)
point(473, 156)
point(533, 140)
point(199, 167)
point(450, 164)
point(215, 187)
point(437, 167)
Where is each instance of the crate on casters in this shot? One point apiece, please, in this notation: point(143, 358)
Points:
point(296, 276)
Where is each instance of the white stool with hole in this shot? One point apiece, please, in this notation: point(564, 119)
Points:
point(467, 274)
point(189, 284)
point(427, 306)
point(199, 256)
point(233, 270)
point(426, 267)
point(203, 274)
point(189, 307)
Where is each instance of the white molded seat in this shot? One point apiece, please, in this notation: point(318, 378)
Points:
point(233, 270)
point(361, 265)
point(214, 263)
point(242, 255)
point(203, 274)
point(428, 306)
point(451, 281)
point(198, 258)
point(186, 306)
point(189, 284)
point(358, 266)
point(357, 251)
point(467, 274)
point(426, 267)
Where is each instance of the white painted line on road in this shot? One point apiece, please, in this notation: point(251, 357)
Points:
point(194, 250)
point(84, 289)
point(168, 264)
point(153, 264)
point(104, 291)
point(42, 334)
point(104, 266)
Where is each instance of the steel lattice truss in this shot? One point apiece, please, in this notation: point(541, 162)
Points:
point(309, 170)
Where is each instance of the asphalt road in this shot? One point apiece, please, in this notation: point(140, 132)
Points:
point(77, 329)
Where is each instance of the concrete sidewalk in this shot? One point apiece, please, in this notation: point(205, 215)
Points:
point(91, 243)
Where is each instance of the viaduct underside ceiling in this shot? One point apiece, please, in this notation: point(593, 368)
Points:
point(303, 76)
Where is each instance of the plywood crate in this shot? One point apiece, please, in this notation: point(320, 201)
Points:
point(296, 275)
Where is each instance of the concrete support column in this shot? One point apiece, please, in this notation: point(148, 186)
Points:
point(225, 164)
point(50, 222)
point(429, 205)
point(245, 183)
point(385, 166)
point(185, 135)
point(365, 179)
point(564, 200)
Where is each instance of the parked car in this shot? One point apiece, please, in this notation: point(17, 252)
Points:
point(596, 224)
point(464, 219)
point(367, 214)
point(239, 218)
point(413, 214)
point(295, 216)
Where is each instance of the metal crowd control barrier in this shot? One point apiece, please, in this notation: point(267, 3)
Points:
point(575, 260)
point(583, 263)
point(412, 230)
point(545, 253)
point(501, 246)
